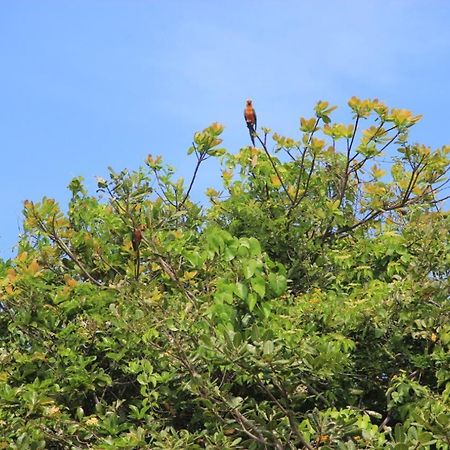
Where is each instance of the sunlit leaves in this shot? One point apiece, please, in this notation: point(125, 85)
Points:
point(338, 130)
point(276, 182)
point(154, 163)
point(317, 145)
point(361, 108)
point(403, 118)
point(308, 125)
point(33, 268)
point(206, 141)
point(323, 111)
point(76, 186)
point(377, 172)
point(283, 141)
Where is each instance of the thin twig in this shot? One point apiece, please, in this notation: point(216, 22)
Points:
point(200, 158)
point(275, 168)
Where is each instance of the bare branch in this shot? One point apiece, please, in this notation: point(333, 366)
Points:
point(202, 156)
point(275, 168)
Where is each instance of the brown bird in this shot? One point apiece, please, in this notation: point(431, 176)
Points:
point(250, 120)
point(136, 238)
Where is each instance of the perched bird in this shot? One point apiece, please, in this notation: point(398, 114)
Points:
point(250, 120)
point(136, 238)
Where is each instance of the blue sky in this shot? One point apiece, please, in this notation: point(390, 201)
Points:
point(87, 84)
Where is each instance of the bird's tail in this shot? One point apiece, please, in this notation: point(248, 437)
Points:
point(137, 265)
point(251, 131)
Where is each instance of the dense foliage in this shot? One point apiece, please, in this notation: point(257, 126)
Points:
point(305, 304)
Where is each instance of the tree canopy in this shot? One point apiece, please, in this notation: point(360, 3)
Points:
point(304, 304)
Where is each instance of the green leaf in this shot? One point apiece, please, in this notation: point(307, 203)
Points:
point(266, 309)
point(251, 301)
point(216, 242)
point(278, 283)
point(224, 296)
point(255, 247)
point(241, 290)
point(194, 259)
point(259, 285)
point(249, 268)
point(268, 347)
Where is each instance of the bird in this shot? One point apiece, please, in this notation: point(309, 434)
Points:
point(250, 120)
point(136, 238)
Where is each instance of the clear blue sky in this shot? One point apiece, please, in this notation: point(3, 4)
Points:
point(87, 84)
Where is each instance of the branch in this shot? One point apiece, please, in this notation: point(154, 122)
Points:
point(171, 273)
point(343, 186)
point(361, 163)
point(108, 264)
point(245, 423)
point(284, 409)
point(302, 167)
point(161, 186)
point(259, 437)
point(374, 214)
point(274, 168)
point(434, 202)
point(200, 158)
point(307, 181)
point(117, 206)
point(349, 147)
point(413, 180)
point(61, 244)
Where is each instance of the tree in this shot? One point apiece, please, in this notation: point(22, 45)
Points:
point(305, 306)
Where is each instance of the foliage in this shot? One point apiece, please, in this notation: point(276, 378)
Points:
point(305, 306)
